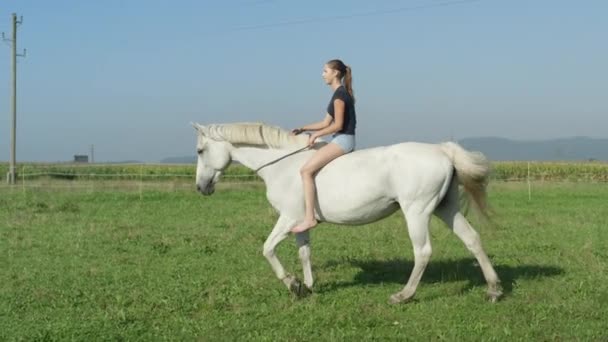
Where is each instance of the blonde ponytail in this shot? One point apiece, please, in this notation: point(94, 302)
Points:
point(348, 82)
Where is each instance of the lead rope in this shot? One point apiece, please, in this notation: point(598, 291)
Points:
point(281, 158)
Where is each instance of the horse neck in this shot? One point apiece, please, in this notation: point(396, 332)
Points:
point(254, 157)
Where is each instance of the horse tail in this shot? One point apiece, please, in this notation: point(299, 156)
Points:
point(472, 171)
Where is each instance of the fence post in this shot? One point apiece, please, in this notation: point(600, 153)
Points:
point(141, 172)
point(529, 186)
point(23, 178)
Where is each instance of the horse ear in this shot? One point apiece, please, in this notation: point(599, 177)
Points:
point(200, 128)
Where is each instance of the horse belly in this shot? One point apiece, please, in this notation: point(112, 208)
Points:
point(354, 199)
point(357, 214)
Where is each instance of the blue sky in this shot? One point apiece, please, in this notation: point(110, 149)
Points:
point(129, 76)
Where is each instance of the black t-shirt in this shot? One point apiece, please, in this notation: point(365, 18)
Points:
point(350, 118)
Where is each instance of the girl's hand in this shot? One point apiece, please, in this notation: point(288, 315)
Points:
point(311, 139)
point(296, 131)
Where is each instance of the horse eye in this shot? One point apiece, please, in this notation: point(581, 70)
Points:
point(199, 151)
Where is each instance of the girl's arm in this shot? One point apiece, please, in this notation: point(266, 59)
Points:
point(315, 126)
point(338, 121)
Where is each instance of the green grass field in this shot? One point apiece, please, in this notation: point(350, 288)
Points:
point(100, 264)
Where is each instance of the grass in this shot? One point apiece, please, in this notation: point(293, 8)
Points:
point(125, 265)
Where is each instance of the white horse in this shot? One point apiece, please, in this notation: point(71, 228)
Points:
point(358, 188)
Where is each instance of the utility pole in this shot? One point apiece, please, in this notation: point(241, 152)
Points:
point(12, 176)
point(92, 154)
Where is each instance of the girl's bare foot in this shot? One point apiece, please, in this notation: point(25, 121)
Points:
point(304, 226)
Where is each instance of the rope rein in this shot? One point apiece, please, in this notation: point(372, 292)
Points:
point(281, 158)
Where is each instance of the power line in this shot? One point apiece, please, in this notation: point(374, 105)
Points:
point(244, 4)
point(256, 2)
point(351, 16)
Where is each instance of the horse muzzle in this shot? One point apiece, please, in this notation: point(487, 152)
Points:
point(207, 190)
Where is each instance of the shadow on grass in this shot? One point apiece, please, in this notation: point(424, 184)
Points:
point(398, 271)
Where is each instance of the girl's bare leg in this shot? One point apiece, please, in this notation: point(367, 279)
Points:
point(321, 158)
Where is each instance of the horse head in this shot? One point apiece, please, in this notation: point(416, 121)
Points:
point(213, 159)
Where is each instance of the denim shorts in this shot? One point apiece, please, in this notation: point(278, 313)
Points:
point(345, 141)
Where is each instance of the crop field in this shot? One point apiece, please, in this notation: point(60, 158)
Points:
point(502, 171)
point(140, 263)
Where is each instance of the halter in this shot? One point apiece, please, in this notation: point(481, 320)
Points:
point(281, 158)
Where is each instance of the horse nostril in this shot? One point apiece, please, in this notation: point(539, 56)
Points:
point(198, 188)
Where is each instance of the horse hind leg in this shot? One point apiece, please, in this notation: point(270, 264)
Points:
point(418, 229)
point(449, 212)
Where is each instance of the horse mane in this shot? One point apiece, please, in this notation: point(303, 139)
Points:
point(255, 134)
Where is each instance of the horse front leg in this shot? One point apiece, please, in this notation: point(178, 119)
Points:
point(279, 233)
point(303, 242)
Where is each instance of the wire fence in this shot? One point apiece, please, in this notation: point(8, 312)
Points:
point(140, 177)
point(126, 177)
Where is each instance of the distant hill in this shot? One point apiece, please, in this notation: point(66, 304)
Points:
point(125, 162)
point(564, 149)
point(495, 148)
point(179, 160)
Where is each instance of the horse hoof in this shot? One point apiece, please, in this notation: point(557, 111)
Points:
point(398, 298)
point(494, 295)
point(305, 291)
point(298, 289)
point(394, 299)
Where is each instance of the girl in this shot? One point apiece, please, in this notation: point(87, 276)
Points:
point(340, 121)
